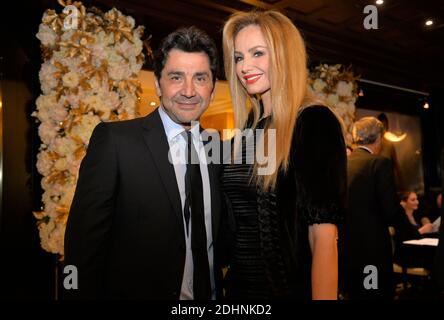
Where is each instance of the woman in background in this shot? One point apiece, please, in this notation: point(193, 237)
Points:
point(411, 225)
point(414, 223)
point(285, 235)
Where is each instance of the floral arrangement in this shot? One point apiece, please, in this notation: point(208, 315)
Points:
point(337, 86)
point(89, 75)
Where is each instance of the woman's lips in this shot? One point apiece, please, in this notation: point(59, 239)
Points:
point(252, 78)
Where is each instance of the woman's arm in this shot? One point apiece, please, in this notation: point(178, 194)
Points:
point(324, 268)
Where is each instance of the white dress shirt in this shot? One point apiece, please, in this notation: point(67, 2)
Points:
point(178, 146)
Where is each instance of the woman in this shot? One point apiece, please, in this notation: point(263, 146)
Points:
point(411, 225)
point(285, 219)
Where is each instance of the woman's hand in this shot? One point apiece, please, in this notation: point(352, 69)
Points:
point(427, 228)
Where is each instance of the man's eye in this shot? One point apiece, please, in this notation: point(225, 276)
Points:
point(202, 79)
point(175, 78)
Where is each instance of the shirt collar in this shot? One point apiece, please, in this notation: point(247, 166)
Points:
point(173, 129)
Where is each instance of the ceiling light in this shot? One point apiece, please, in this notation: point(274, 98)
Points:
point(429, 22)
point(426, 105)
point(379, 2)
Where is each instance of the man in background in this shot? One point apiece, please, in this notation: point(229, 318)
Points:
point(372, 205)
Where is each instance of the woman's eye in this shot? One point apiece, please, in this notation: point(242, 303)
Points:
point(258, 53)
point(237, 59)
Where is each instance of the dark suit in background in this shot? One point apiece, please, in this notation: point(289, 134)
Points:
point(372, 205)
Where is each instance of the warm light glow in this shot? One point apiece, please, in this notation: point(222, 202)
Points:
point(426, 106)
point(429, 22)
point(152, 103)
point(390, 136)
point(379, 2)
point(361, 93)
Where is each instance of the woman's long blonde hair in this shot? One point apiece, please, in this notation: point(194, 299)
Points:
point(288, 79)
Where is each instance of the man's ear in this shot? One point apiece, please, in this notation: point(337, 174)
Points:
point(157, 85)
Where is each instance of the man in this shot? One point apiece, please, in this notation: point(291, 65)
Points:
point(372, 205)
point(134, 221)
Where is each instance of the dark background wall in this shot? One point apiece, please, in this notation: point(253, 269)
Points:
point(26, 271)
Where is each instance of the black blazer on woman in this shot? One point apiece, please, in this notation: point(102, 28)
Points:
point(125, 231)
point(311, 191)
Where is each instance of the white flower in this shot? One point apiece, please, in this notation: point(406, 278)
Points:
point(64, 146)
point(119, 71)
point(61, 155)
point(61, 164)
point(98, 54)
point(44, 163)
point(44, 105)
point(71, 79)
point(344, 89)
point(46, 76)
point(84, 129)
point(47, 132)
point(332, 99)
point(319, 85)
point(46, 35)
point(97, 103)
point(59, 113)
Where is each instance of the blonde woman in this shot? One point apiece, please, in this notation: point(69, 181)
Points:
point(284, 240)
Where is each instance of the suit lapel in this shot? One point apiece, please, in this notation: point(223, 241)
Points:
point(157, 143)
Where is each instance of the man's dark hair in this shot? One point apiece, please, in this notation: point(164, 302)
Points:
point(189, 39)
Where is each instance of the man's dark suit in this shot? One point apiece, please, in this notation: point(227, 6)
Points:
point(372, 205)
point(125, 231)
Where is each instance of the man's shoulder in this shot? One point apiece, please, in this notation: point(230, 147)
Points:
point(365, 158)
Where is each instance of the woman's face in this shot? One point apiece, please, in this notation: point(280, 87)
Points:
point(411, 202)
point(252, 60)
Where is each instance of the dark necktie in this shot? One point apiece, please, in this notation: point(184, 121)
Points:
point(194, 208)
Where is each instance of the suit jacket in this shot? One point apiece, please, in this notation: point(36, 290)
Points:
point(371, 207)
point(125, 231)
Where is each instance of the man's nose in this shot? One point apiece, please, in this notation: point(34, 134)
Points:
point(189, 89)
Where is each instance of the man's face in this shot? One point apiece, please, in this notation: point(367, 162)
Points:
point(185, 86)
